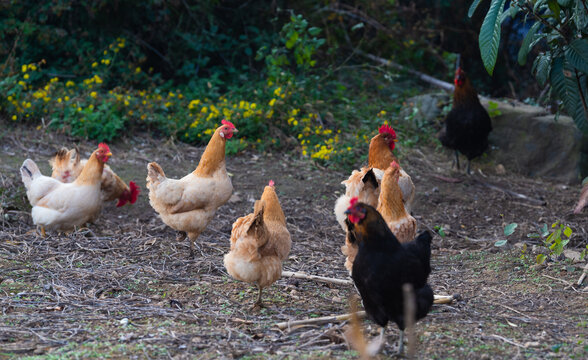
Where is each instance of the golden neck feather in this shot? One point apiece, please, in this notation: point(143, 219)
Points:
point(213, 157)
point(91, 172)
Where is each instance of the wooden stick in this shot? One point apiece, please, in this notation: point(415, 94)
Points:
point(442, 299)
point(409, 319)
point(320, 320)
point(300, 275)
point(583, 276)
point(424, 77)
point(511, 193)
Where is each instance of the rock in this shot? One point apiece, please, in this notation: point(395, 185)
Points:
point(427, 109)
point(575, 256)
point(529, 141)
point(500, 170)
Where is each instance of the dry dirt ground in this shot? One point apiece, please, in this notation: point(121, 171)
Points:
point(124, 288)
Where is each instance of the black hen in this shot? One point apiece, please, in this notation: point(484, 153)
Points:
point(383, 265)
point(468, 124)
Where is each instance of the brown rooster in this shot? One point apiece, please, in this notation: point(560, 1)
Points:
point(468, 124)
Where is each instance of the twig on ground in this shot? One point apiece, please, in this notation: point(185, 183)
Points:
point(511, 193)
point(320, 320)
point(299, 275)
point(583, 276)
point(498, 337)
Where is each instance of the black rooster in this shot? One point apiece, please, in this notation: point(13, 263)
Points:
point(468, 124)
point(383, 265)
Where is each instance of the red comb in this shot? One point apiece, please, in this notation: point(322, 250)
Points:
point(225, 122)
point(394, 165)
point(135, 191)
point(388, 130)
point(271, 183)
point(104, 146)
point(353, 201)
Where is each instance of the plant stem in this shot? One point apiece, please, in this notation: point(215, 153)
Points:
point(582, 98)
point(544, 22)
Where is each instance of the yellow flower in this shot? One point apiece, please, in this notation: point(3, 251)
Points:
point(97, 79)
point(168, 104)
point(66, 98)
point(26, 76)
point(272, 102)
point(94, 64)
point(59, 100)
point(69, 83)
point(91, 107)
point(126, 102)
point(9, 98)
point(204, 110)
point(295, 123)
point(32, 67)
point(24, 68)
point(137, 69)
point(93, 94)
point(54, 80)
point(13, 117)
point(106, 61)
point(277, 91)
point(131, 112)
point(79, 109)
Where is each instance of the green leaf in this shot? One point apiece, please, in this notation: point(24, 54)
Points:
point(564, 3)
point(526, 45)
point(554, 7)
point(544, 230)
point(500, 243)
point(568, 231)
point(509, 229)
point(357, 26)
point(292, 40)
point(511, 12)
point(541, 68)
point(577, 54)
point(541, 258)
point(533, 235)
point(314, 31)
point(489, 38)
point(473, 7)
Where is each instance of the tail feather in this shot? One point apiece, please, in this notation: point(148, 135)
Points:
point(29, 171)
point(154, 173)
point(340, 206)
point(130, 195)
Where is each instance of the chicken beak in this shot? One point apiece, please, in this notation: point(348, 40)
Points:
point(235, 130)
point(109, 154)
point(395, 140)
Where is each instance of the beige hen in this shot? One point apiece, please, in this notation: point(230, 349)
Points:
point(63, 206)
point(188, 204)
point(67, 166)
point(259, 243)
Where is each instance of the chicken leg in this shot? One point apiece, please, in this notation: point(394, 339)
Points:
point(258, 303)
point(457, 159)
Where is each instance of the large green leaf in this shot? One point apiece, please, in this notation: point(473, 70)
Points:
point(541, 68)
point(577, 54)
point(489, 38)
point(565, 86)
point(526, 45)
point(473, 7)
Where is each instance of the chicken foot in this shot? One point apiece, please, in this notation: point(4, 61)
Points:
point(375, 346)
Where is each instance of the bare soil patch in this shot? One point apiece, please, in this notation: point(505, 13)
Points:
point(124, 288)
